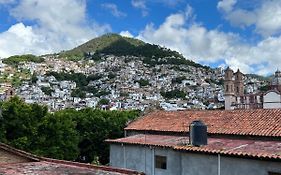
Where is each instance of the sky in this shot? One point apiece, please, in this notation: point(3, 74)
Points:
point(236, 33)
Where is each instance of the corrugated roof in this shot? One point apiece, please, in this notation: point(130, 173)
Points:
point(224, 146)
point(46, 166)
point(259, 122)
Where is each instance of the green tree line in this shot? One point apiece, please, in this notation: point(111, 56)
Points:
point(15, 60)
point(67, 134)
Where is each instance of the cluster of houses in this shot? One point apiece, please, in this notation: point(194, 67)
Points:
point(245, 140)
point(121, 78)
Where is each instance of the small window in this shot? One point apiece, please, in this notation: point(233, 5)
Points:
point(161, 162)
point(274, 173)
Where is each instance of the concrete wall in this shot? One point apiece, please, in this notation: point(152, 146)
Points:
point(141, 158)
point(199, 164)
point(238, 166)
point(272, 100)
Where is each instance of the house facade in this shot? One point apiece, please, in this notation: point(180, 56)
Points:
point(239, 142)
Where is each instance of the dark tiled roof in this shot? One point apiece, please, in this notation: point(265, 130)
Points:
point(259, 122)
point(46, 166)
point(231, 147)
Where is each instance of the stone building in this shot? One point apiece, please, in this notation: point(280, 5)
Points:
point(239, 142)
point(235, 98)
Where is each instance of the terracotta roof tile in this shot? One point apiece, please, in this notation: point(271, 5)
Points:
point(259, 122)
point(224, 146)
point(46, 166)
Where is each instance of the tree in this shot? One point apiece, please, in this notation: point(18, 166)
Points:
point(34, 78)
point(142, 82)
point(103, 101)
point(20, 122)
point(173, 94)
point(58, 137)
point(67, 134)
point(78, 93)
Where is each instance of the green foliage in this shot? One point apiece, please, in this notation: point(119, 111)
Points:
point(96, 57)
point(78, 93)
point(47, 90)
point(79, 78)
point(95, 126)
point(58, 137)
point(264, 88)
point(103, 101)
point(111, 75)
point(115, 44)
point(94, 77)
point(97, 44)
point(34, 78)
point(81, 81)
point(173, 94)
point(142, 82)
point(20, 122)
point(66, 134)
point(15, 60)
point(178, 80)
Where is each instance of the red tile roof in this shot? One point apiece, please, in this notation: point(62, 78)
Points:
point(231, 147)
point(45, 166)
point(258, 122)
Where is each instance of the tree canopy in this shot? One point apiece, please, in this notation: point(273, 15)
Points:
point(67, 134)
point(15, 60)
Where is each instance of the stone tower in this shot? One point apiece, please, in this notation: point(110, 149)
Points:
point(238, 84)
point(229, 94)
point(276, 81)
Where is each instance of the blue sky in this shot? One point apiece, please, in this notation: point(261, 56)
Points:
point(236, 33)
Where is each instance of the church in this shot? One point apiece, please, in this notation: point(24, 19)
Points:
point(235, 97)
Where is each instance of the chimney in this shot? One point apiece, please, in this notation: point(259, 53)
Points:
point(197, 133)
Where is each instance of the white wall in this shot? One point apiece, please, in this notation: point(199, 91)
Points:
point(271, 100)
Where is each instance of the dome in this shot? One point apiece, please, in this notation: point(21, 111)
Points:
point(277, 78)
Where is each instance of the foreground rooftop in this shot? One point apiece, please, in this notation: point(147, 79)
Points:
point(260, 149)
point(17, 162)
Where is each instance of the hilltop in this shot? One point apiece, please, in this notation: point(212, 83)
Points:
point(114, 44)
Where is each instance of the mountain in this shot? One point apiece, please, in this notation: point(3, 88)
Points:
point(100, 43)
point(114, 44)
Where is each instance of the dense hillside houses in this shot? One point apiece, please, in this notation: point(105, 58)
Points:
point(238, 142)
point(128, 73)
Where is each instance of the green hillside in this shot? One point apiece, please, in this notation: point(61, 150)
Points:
point(16, 59)
point(98, 44)
point(123, 46)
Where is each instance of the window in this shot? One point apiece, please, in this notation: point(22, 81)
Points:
point(161, 162)
point(274, 173)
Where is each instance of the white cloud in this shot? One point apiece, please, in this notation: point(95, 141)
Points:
point(126, 34)
point(140, 4)
point(114, 9)
point(226, 5)
point(19, 39)
point(7, 1)
point(196, 42)
point(266, 17)
point(55, 27)
point(170, 3)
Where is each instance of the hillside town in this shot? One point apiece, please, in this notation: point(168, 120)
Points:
point(119, 82)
